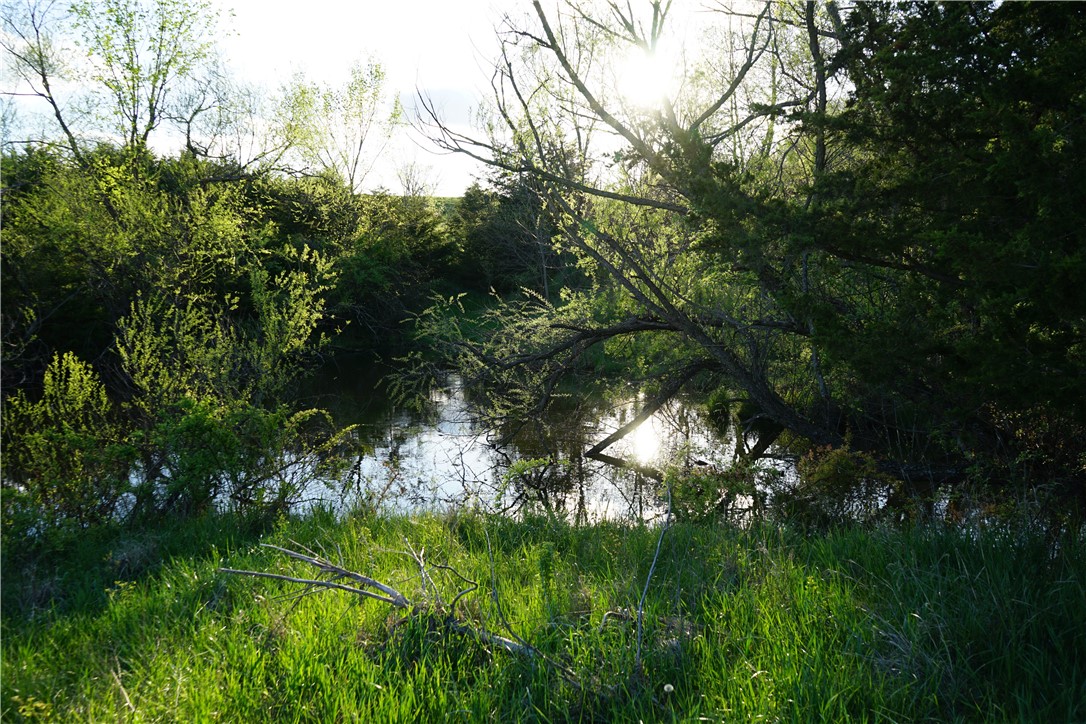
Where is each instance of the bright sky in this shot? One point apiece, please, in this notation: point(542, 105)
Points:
point(440, 47)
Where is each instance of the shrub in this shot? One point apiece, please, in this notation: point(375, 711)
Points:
point(66, 460)
point(835, 486)
point(707, 494)
point(239, 456)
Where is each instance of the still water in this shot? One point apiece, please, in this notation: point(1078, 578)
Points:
point(446, 458)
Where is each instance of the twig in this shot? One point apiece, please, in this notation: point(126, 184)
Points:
point(566, 673)
point(393, 596)
point(398, 603)
point(648, 580)
point(474, 585)
point(620, 615)
point(420, 559)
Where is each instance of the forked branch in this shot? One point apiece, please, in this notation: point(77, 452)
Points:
point(330, 575)
point(390, 595)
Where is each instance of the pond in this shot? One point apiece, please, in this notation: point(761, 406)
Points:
point(446, 458)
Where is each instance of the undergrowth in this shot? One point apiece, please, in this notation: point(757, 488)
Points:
point(768, 622)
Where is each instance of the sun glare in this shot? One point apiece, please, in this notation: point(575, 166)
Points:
point(645, 442)
point(646, 79)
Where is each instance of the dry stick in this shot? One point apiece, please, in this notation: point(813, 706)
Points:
point(621, 615)
point(648, 580)
point(314, 583)
point(419, 558)
point(566, 673)
point(474, 585)
point(393, 598)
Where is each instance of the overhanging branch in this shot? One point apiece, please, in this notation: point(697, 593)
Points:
point(666, 393)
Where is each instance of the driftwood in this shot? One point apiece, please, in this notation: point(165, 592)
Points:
point(330, 576)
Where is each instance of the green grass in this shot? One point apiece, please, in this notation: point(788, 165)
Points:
point(768, 623)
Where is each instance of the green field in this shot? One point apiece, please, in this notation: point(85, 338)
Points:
point(763, 624)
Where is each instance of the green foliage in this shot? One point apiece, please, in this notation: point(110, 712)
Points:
point(835, 487)
point(341, 131)
point(976, 310)
point(201, 315)
point(171, 352)
point(66, 458)
point(506, 235)
point(387, 253)
point(237, 456)
point(719, 407)
point(705, 495)
point(72, 459)
point(234, 318)
point(537, 482)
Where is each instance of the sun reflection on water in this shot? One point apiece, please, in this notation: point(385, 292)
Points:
point(644, 441)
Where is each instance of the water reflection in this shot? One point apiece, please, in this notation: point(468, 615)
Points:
point(644, 442)
point(445, 457)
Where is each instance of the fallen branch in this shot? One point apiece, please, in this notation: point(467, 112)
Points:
point(392, 596)
point(333, 576)
point(388, 594)
point(312, 582)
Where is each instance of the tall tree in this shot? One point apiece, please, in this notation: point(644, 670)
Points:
point(676, 211)
point(964, 188)
point(854, 272)
point(125, 58)
point(343, 129)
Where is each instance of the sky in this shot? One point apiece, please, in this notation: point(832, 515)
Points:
point(443, 49)
point(440, 47)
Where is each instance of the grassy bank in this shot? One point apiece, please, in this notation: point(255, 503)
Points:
point(767, 623)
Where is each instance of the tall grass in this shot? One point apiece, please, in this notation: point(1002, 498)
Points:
point(766, 623)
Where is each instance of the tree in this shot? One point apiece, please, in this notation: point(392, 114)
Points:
point(342, 130)
point(506, 234)
point(796, 249)
point(139, 52)
point(136, 53)
point(964, 187)
point(667, 169)
point(140, 74)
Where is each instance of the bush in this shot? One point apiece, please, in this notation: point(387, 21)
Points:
point(835, 487)
point(70, 461)
point(238, 456)
point(707, 494)
point(66, 461)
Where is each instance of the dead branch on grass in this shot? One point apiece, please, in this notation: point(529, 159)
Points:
point(330, 574)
